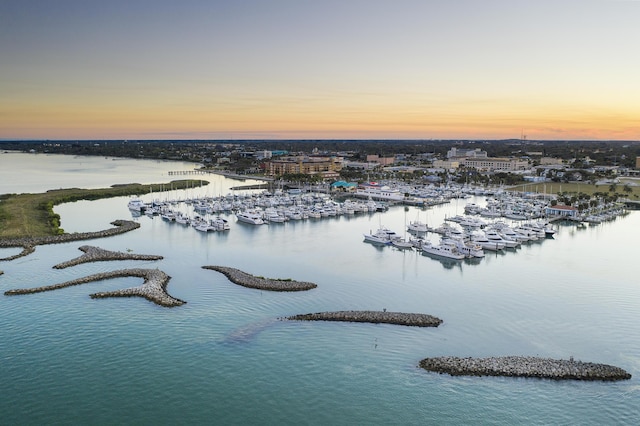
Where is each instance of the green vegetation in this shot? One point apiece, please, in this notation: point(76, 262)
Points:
point(31, 215)
point(623, 190)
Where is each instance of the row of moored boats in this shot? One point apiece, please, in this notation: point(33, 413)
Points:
point(460, 243)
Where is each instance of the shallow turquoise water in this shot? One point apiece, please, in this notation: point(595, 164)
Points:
point(225, 358)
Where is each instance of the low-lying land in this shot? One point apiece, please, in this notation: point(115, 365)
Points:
point(247, 280)
point(521, 366)
point(376, 317)
point(31, 215)
point(153, 288)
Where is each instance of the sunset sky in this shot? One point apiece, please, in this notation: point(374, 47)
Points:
point(330, 69)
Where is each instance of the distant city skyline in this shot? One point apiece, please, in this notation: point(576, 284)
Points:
point(295, 69)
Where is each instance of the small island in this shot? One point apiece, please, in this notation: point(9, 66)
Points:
point(247, 280)
point(375, 317)
point(153, 288)
point(97, 254)
point(523, 366)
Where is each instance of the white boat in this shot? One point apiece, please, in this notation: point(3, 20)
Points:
point(380, 192)
point(468, 248)
point(493, 236)
point(401, 243)
point(381, 236)
point(480, 238)
point(219, 224)
point(250, 216)
point(443, 250)
point(182, 219)
point(417, 226)
point(136, 205)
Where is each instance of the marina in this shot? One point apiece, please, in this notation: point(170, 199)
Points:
point(555, 298)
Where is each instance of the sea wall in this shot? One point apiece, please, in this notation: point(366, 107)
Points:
point(153, 288)
point(247, 280)
point(376, 317)
point(97, 254)
point(522, 366)
point(28, 243)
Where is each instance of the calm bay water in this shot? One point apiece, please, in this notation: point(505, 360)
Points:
point(224, 357)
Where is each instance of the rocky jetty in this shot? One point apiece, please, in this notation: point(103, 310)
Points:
point(247, 280)
point(376, 317)
point(120, 227)
point(153, 288)
point(26, 250)
point(96, 254)
point(522, 366)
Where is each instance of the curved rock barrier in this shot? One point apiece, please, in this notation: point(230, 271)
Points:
point(26, 250)
point(153, 288)
point(522, 366)
point(97, 254)
point(247, 280)
point(120, 227)
point(376, 317)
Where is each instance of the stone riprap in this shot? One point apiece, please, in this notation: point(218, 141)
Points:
point(120, 227)
point(247, 280)
point(97, 254)
point(376, 317)
point(153, 288)
point(522, 366)
point(26, 250)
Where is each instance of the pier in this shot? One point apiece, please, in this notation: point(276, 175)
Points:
point(189, 172)
point(375, 317)
point(521, 366)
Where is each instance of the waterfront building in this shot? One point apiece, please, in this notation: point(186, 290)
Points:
point(383, 161)
point(303, 165)
point(561, 210)
point(491, 164)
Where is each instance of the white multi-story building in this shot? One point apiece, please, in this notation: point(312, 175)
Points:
point(468, 153)
point(492, 164)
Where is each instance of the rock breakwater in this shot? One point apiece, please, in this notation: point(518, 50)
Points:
point(247, 280)
point(376, 317)
point(522, 366)
point(153, 288)
point(120, 227)
point(97, 254)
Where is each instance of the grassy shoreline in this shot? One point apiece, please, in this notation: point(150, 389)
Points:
point(32, 215)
